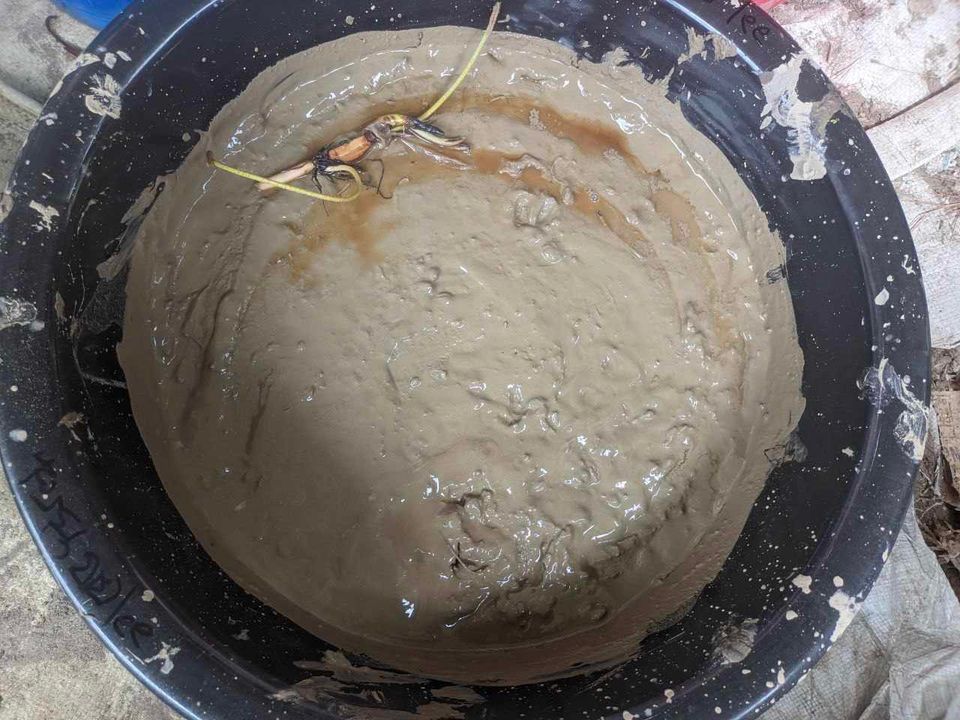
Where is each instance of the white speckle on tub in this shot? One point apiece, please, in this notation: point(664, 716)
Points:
point(882, 297)
point(837, 581)
point(668, 694)
point(123, 56)
point(46, 213)
point(733, 642)
point(848, 451)
point(110, 60)
point(70, 421)
point(717, 709)
point(349, 19)
point(803, 582)
point(13, 388)
point(166, 656)
point(805, 121)
point(16, 312)
point(48, 119)
point(910, 270)
point(884, 555)
point(18, 435)
point(244, 634)
point(147, 595)
point(781, 677)
point(791, 615)
point(104, 97)
point(769, 683)
point(846, 608)
point(883, 384)
point(627, 715)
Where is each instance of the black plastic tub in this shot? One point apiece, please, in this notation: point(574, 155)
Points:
point(89, 495)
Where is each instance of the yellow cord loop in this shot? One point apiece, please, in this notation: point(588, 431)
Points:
point(469, 66)
point(349, 169)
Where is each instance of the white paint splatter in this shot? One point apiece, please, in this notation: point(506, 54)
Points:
point(289, 695)
point(781, 677)
point(848, 451)
point(805, 121)
point(244, 634)
point(791, 615)
point(349, 20)
point(110, 60)
point(668, 694)
point(733, 642)
point(46, 213)
point(837, 581)
point(166, 655)
point(18, 435)
point(70, 421)
point(16, 312)
point(627, 715)
point(803, 582)
point(846, 608)
point(147, 595)
point(882, 385)
point(48, 119)
point(123, 56)
point(104, 97)
point(882, 297)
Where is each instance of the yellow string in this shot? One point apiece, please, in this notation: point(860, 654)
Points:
point(469, 66)
point(349, 169)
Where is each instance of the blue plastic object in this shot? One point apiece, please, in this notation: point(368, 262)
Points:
point(96, 13)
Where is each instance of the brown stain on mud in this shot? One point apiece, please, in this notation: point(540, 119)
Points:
point(590, 135)
point(356, 223)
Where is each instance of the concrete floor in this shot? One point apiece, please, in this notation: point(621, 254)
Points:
point(52, 667)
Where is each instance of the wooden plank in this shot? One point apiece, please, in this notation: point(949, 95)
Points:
point(916, 136)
